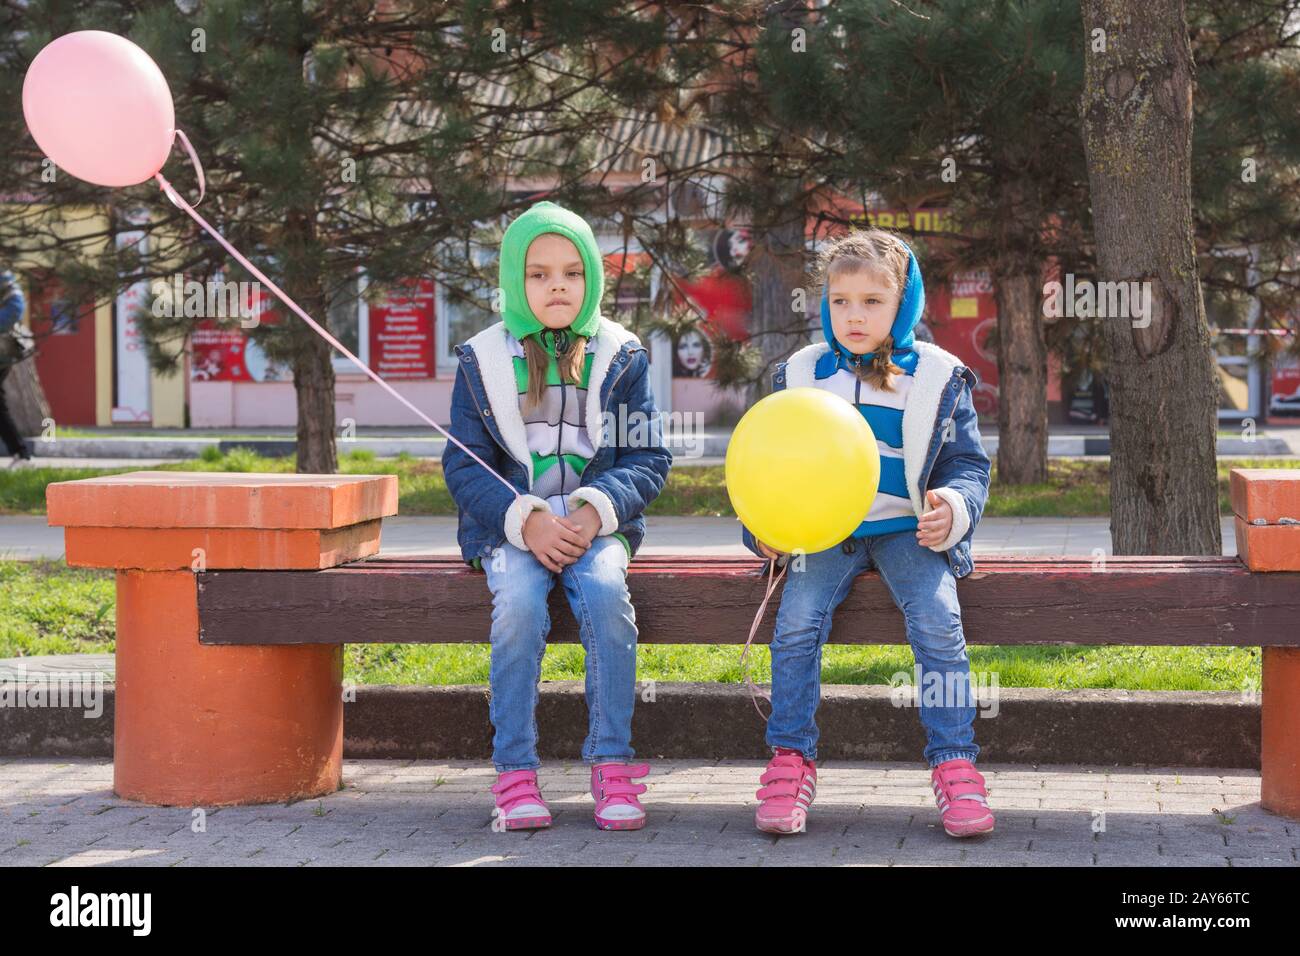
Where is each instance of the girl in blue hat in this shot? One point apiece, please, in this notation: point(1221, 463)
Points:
point(934, 478)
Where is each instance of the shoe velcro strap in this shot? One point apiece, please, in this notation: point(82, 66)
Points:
point(958, 784)
point(974, 796)
point(623, 771)
point(964, 784)
point(519, 791)
point(781, 773)
point(960, 775)
point(780, 788)
point(621, 788)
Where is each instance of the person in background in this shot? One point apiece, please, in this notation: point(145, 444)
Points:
point(11, 353)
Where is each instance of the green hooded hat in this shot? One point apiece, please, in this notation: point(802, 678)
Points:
point(546, 216)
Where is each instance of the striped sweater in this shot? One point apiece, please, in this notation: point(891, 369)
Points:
point(891, 509)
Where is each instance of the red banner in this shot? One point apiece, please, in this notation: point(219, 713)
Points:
point(962, 314)
point(402, 332)
point(223, 353)
point(1285, 387)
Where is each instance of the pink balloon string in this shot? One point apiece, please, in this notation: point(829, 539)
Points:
point(754, 693)
point(194, 161)
point(180, 203)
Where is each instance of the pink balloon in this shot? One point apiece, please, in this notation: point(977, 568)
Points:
point(99, 107)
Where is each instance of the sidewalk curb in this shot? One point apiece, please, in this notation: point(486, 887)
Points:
point(718, 721)
point(710, 446)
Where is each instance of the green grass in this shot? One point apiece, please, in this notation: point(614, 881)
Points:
point(1131, 668)
point(48, 608)
point(1075, 487)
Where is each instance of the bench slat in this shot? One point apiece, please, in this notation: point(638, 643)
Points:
point(1140, 599)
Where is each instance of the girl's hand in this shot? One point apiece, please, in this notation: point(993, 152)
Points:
point(934, 526)
point(553, 540)
point(587, 518)
point(768, 551)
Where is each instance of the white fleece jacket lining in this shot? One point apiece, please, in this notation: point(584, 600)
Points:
point(598, 500)
point(518, 513)
point(498, 371)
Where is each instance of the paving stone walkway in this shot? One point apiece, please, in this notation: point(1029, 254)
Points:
point(63, 812)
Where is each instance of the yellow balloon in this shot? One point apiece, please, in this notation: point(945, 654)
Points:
point(802, 469)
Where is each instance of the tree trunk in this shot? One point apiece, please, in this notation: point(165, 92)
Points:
point(1137, 125)
point(1022, 377)
point(313, 381)
point(312, 356)
point(26, 398)
point(778, 217)
point(1021, 343)
point(304, 267)
point(776, 269)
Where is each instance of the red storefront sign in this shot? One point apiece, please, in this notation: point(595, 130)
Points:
point(1285, 389)
point(221, 352)
point(961, 315)
point(402, 332)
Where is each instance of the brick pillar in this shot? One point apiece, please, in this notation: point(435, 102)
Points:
point(202, 725)
point(1266, 519)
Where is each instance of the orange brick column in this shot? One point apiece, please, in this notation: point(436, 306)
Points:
point(1266, 518)
point(202, 725)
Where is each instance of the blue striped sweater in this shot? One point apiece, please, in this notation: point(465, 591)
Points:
point(891, 509)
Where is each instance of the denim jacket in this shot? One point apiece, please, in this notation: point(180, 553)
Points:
point(942, 450)
point(626, 473)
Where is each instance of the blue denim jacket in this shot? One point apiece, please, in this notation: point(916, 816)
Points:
point(626, 473)
point(941, 441)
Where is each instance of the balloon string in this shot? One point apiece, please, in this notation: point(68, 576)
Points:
point(194, 161)
point(754, 693)
point(316, 326)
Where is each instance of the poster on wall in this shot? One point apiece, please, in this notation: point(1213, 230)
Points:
point(963, 314)
point(722, 293)
point(131, 362)
point(402, 331)
point(1285, 390)
point(221, 352)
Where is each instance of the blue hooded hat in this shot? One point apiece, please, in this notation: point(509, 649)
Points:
point(910, 309)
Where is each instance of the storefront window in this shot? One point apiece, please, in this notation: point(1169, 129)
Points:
point(347, 313)
point(1234, 321)
point(464, 305)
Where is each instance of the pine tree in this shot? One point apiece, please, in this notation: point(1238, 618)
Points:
point(971, 104)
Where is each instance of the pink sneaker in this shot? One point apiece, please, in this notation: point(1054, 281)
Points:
point(519, 802)
point(963, 801)
point(789, 786)
point(617, 807)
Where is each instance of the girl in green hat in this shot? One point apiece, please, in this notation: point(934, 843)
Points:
point(556, 398)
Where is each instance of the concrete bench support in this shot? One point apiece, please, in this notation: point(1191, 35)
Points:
point(207, 726)
point(1266, 518)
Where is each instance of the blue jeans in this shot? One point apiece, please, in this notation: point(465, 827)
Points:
point(596, 586)
point(922, 585)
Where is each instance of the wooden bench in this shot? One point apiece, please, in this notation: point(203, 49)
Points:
point(237, 592)
point(684, 600)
